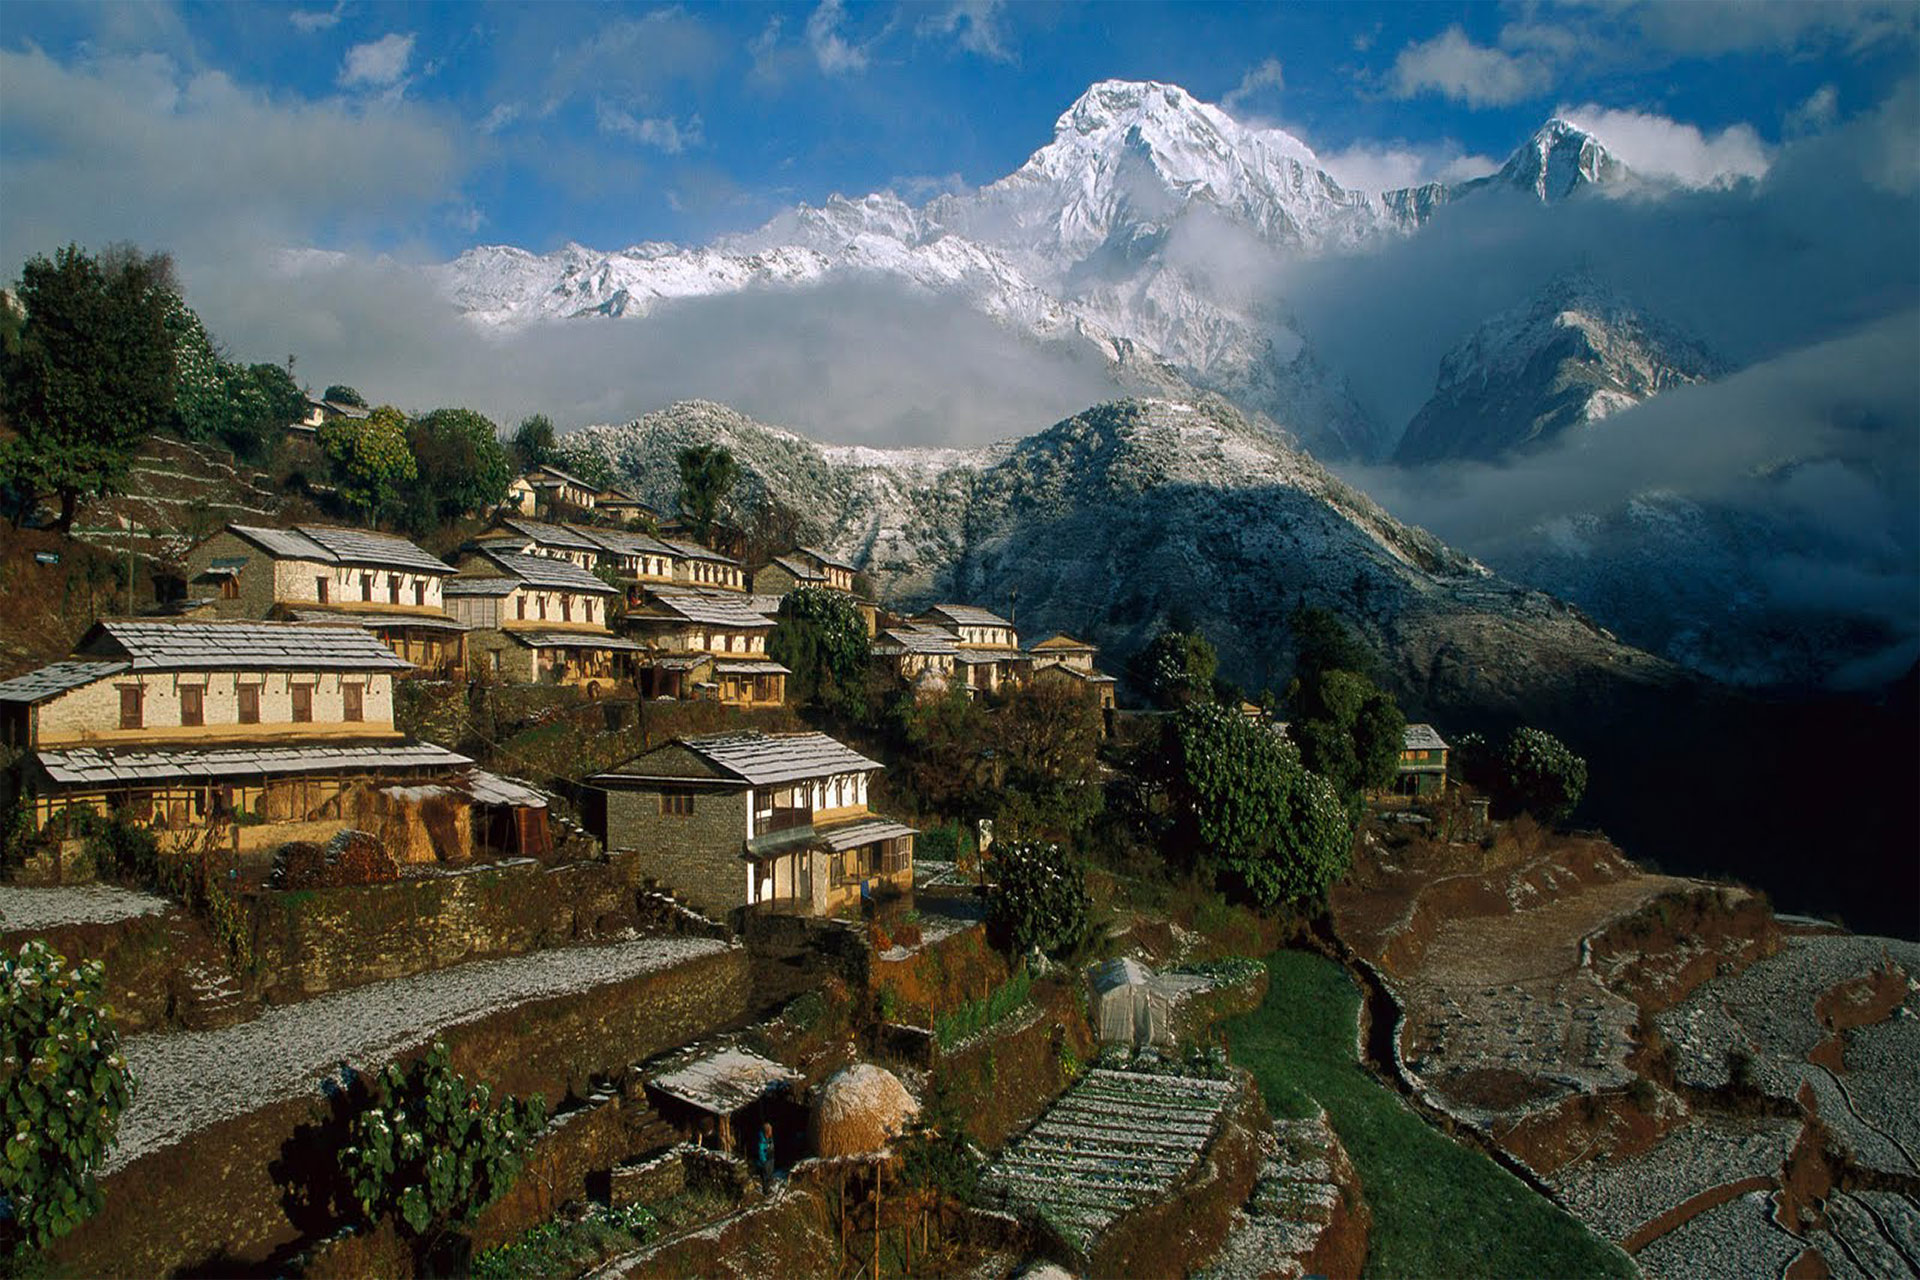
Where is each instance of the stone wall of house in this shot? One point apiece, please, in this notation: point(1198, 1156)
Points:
point(515, 663)
point(255, 580)
point(310, 942)
point(92, 711)
point(247, 1191)
point(697, 855)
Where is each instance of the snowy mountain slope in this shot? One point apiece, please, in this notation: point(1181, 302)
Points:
point(1111, 522)
point(1570, 356)
point(1148, 227)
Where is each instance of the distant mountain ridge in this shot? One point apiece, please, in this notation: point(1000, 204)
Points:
point(1113, 521)
point(1121, 233)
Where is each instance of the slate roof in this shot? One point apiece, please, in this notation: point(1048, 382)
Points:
point(981, 657)
point(827, 559)
point(38, 686)
point(1089, 677)
point(491, 788)
point(559, 475)
point(694, 551)
point(547, 534)
point(725, 1081)
point(1423, 737)
point(548, 573)
point(969, 615)
point(1061, 642)
point(623, 543)
point(258, 646)
point(759, 759)
point(574, 640)
point(866, 831)
point(714, 611)
point(800, 569)
point(373, 620)
point(329, 545)
point(737, 668)
point(918, 640)
point(480, 586)
point(90, 765)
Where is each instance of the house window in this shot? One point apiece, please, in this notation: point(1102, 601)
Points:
point(566, 608)
point(543, 608)
point(678, 804)
point(249, 699)
point(130, 696)
point(230, 587)
point(520, 603)
point(393, 588)
point(366, 587)
point(420, 593)
point(193, 708)
point(351, 702)
point(320, 590)
point(302, 703)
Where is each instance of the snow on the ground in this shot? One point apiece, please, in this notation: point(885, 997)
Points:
point(1737, 1238)
point(24, 907)
point(1617, 1197)
point(186, 1081)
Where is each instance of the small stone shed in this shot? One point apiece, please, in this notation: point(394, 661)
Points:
point(726, 1093)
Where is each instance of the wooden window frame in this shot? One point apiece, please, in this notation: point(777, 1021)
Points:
point(353, 702)
point(297, 694)
point(420, 594)
point(193, 696)
point(133, 713)
point(320, 587)
point(247, 699)
point(676, 804)
point(393, 588)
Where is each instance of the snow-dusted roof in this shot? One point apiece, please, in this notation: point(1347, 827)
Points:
point(269, 646)
point(546, 534)
point(723, 1081)
point(1423, 737)
point(866, 831)
point(491, 788)
point(38, 686)
point(549, 573)
point(759, 759)
point(89, 765)
point(967, 615)
point(330, 545)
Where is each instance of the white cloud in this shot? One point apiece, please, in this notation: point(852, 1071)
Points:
point(835, 54)
point(502, 115)
point(1390, 166)
point(1820, 112)
point(1266, 75)
point(976, 23)
point(308, 21)
point(1714, 27)
point(1454, 66)
point(379, 63)
point(660, 132)
point(1657, 147)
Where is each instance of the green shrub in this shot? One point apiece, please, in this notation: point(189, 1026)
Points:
point(63, 1085)
point(433, 1149)
point(977, 1015)
point(1038, 900)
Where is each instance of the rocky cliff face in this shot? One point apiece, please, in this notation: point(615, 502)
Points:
point(1132, 514)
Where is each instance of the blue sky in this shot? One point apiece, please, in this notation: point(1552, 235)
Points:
point(423, 129)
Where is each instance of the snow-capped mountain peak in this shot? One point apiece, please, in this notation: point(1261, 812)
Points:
point(1558, 160)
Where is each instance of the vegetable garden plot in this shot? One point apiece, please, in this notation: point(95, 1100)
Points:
point(1616, 1197)
point(1860, 1239)
point(1117, 1141)
point(1738, 1238)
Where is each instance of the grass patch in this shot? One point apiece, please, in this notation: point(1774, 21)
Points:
point(976, 1015)
point(564, 1249)
point(1439, 1208)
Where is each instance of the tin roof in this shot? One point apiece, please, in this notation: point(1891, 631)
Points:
point(38, 686)
point(549, 573)
point(90, 765)
point(215, 646)
point(1423, 737)
point(968, 615)
point(759, 759)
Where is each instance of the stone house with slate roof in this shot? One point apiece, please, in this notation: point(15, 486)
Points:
point(547, 487)
point(262, 732)
point(325, 574)
point(538, 620)
point(698, 566)
point(543, 538)
point(1423, 763)
point(709, 644)
point(1069, 661)
point(986, 647)
point(755, 821)
point(803, 567)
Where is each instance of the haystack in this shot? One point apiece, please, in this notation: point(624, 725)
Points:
point(859, 1109)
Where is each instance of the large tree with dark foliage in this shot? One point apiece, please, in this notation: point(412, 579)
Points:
point(90, 375)
point(532, 442)
point(820, 637)
point(1348, 731)
point(462, 467)
point(1177, 667)
point(707, 475)
point(1038, 900)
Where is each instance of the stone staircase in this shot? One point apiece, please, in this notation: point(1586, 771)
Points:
point(206, 994)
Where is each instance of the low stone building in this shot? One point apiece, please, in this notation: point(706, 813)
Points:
point(912, 652)
point(320, 573)
point(259, 732)
point(986, 646)
point(539, 620)
point(1070, 661)
point(699, 566)
point(548, 488)
point(773, 822)
point(706, 644)
point(543, 538)
point(1423, 763)
point(804, 567)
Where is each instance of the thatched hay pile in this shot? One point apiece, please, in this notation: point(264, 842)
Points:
point(859, 1109)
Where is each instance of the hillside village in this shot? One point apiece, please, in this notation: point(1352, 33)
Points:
point(596, 809)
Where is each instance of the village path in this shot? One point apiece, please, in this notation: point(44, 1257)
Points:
point(186, 1081)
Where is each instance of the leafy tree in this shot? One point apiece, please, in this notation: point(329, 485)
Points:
point(433, 1149)
point(1244, 806)
point(945, 741)
point(1348, 731)
point(1541, 775)
point(1322, 642)
point(462, 466)
point(585, 463)
point(370, 457)
point(243, 407)
point(532, 442)
point(820, 636)
point(1046, 743)
point(340, 393)
point(1038, 899)
point(1177, 668)
point(63, 1085)
point(91, 374)
point(707, 475)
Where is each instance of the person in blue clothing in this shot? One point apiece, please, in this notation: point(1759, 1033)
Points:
point(764, 1156)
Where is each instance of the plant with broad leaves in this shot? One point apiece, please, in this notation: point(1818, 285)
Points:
point(63, 1085)
point(1039, 899)
point(433, 1149)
